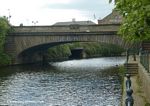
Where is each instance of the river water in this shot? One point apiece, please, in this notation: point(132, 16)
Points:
point(87, 82)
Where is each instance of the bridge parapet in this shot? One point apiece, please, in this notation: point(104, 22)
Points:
point(61, 33)
point(64, 28)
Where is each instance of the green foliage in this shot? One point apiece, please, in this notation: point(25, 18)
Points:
point(59, 51)
point(136, 19)
point(91, 49)
point(4, 28)
point(147, 104)
point(4, 59)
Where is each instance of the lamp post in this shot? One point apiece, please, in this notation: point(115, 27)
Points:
point(9, 16)
point(34, 22)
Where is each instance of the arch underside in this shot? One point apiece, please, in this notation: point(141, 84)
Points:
point(34, 46)
point(26, 42)
point(36, 53)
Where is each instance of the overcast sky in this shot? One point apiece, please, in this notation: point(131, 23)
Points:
point(48, 12)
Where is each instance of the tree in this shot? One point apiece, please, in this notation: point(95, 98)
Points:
point(4, 28)
point(136, 19)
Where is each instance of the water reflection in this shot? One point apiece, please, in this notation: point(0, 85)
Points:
point(90, 64)
point(69, 83)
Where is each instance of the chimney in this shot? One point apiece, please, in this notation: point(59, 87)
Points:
point(73, 19)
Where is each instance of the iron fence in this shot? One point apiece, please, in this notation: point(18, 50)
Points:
point(144, 59)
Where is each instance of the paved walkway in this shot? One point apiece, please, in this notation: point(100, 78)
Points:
point(138, 94)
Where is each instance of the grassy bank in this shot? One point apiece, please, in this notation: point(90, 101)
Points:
point(92, 49)
point(121, 75)
point(121, 71)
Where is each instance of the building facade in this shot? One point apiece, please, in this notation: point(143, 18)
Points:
point(113, 18)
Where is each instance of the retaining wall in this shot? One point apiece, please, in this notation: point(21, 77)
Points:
point(145, 78)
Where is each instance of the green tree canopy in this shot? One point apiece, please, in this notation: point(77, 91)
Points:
point(4, 28)
point(136, 19)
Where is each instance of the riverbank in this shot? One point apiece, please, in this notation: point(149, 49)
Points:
point(91, 49)
point(139, 94)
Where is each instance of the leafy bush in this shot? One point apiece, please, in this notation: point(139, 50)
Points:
point(4, 59)
point(4, 28)
point(59, 51)
point(147, 104)
point(91, 49)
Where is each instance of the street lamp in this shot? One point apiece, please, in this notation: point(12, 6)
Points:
point(9, 16)
point(34, 22)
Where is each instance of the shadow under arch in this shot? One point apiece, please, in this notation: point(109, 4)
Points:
point(38, 53)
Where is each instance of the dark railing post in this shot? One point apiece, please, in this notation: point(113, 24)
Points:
point(128, 82)
point(127, 55)
point(129, 101)
point(144, 60)
point(147, 57)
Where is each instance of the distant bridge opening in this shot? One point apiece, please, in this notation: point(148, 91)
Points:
point(36, 53)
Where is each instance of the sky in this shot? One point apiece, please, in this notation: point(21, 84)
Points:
point(48, 12)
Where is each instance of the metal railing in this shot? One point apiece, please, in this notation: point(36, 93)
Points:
point(132, 52)
point(129, 101)
point(144, 59)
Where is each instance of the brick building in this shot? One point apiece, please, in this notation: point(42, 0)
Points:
point(112, 18)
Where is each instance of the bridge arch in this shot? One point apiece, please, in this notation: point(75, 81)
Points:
point(35, 53)
point(25, 39)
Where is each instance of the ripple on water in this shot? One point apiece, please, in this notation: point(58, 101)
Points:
point(58, 87)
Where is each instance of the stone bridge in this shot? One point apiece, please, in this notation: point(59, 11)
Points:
point(26, 42)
